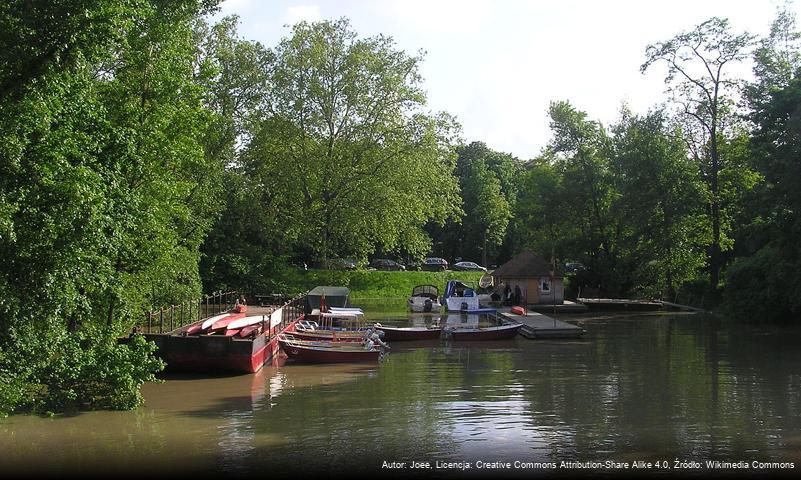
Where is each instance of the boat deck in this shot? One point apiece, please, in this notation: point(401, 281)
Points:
point(537, 326)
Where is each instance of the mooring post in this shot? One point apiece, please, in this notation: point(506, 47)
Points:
point(161, 320)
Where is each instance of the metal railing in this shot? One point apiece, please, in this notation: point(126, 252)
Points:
point(167, 319)
point(177, 316)
point(292, 310)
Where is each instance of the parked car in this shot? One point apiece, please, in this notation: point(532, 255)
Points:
point(573, 267)
point(342, 264)
point(435, 264)
point(386, 264)
point(468, 266)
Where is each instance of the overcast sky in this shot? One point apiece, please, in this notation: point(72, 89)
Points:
point(496, 65)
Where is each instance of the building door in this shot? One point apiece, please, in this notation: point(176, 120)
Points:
point(533, 291)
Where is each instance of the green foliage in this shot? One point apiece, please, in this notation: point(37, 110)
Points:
point(629, 207)
point(346, 155)
point(699, 80)
point(105, 193)
point(489, 184)
point(765, 286)
point(659, 206)
point(57, 371)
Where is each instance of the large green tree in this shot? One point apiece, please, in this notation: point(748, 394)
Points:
point(659, 206)
point(104, 192)
point(487, 210)
point(346, 151)
point(580, 149)
point(763, 283)
point(699, 80)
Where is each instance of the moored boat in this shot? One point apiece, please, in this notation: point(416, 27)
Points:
point(311, 330)
point(424, 298)
point(460, 297)
point(499, 332)
point(410, 333)
point(328, 352)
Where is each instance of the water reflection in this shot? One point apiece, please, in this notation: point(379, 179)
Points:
point(637, 388)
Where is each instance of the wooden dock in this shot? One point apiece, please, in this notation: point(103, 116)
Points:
point(566, 307)
point(538, 326)
point(620, 304)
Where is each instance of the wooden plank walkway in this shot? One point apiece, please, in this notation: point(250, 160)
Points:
point(536, 325)
point(620, 304)
point(681, 307)
point(566, 307)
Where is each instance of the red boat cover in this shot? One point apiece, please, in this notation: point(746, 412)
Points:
point(194, 329)
point(248, 330)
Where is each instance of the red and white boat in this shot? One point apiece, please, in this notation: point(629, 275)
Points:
point(242, 344)
point(500, 332)
point(327, 352)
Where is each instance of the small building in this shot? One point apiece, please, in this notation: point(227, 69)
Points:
point(538, 283)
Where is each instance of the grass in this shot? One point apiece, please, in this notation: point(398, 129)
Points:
point(369, 284)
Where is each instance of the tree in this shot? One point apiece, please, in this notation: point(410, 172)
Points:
point(777, 57)
point(543, 213)
point(698, 78)
point(345, 151)
point(658, 205)
point(580, 149)
point(488, 211)
point(104, 194)
point(763, 283)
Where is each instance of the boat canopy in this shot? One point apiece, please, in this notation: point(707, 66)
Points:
point(426, 291)
point(334, 297)
point(457, 288)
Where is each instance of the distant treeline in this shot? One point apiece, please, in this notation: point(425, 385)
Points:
point(147, 155)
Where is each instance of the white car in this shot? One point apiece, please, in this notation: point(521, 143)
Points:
point(469, 266)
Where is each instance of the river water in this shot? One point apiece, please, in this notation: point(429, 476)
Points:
point(652, 388)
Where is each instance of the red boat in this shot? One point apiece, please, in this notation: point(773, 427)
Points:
point(243, 349)
point(500, 332)
point(326, 352)
point(410, 333)
point(310, 330)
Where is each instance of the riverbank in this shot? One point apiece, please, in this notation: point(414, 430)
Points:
point(373, 284)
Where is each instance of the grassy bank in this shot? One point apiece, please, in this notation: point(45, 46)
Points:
point(373, 284)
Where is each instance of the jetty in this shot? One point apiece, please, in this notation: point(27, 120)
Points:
point(620, 304)
point(539, 326)
point(565, 307)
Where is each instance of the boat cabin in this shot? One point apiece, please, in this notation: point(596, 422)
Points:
point(329, 295)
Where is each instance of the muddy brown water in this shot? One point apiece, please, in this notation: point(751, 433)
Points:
point(648, 388)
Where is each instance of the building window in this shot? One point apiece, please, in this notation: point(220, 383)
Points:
point(545, 286)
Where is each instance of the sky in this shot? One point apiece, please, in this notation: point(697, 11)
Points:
point(496, 65)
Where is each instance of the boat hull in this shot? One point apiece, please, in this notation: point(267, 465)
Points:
point(419, 305)
point(406, 334)
point(491, 333)
point(217, 352)
point(459, 304)
point(327, 336)
point(321, 354)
